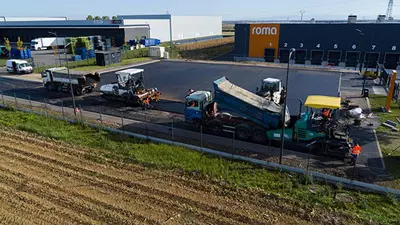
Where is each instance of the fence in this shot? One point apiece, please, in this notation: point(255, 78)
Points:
point(171, 132)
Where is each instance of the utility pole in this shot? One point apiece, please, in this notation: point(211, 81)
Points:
point(302, 13)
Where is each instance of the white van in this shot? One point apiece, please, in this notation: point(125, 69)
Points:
point(18, 66)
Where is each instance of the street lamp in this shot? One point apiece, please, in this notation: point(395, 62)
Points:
point(70, 80)
point(285, 105)
point(360, 32)
point(59, 56)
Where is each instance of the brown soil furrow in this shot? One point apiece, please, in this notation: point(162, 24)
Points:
point(83, 153)
point(207, 207)
point(169, 204)
point(65, 199)
point(31, 209)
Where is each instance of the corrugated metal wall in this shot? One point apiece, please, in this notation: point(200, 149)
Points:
point(187, 27)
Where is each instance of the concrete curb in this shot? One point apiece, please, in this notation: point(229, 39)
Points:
point(377, 141)
point(128, 66)
point(271, 65)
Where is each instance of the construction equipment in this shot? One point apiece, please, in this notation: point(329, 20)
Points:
point(235, 110)
point(271, 89)
point(60, 79)
point(329, 134)
point(130, 88)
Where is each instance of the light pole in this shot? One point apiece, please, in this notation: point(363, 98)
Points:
point(59, 56)
point(70, 80)
point(360, 32)
point(284, 106)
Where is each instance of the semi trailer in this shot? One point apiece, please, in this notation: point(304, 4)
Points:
point(233, 108)
point(130, 88)
point(47, 42)
point(61, 79)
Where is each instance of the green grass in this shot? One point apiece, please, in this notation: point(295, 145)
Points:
point(197, 54)
point(123, 63)
point(388, 140)
point(232, 174)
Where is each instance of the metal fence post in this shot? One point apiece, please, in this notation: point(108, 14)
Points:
point(101, 118)
point(201, 137)
point(30, 102)
point(122, 122)
point(62, 109)
point(172, 130)
point(16, 103)
point(45, 106)
point(80, 112)
point(2, 98)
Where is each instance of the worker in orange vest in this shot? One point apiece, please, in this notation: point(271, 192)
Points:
point(355, 151)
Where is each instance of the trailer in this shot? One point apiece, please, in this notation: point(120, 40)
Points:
point(234, 109)
point(47, 42)
point(130, 88)
point(61, 79)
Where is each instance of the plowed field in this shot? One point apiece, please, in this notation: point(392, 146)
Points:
point(47, 182)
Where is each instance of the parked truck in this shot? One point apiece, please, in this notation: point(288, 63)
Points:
point(130, 88)
point(58, 79)
point(47, 42)
point(234, 109)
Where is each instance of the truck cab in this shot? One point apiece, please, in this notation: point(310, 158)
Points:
point(268, 86)
point(195, 103)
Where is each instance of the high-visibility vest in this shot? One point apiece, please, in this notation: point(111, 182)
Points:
point(356, 150)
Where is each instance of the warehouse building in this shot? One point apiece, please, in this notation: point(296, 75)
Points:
point(113, 29)
point(337, 43)
point(128, 27)
point(171, 28)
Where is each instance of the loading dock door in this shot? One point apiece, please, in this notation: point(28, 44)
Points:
point(269, 54)
point(316, 57)
point(300, 56)
point(352, 59)
point(284, 55)
point(334, 57)
point(392, 60)
point(372, 58)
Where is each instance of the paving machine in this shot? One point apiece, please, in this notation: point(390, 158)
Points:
point(130, 88)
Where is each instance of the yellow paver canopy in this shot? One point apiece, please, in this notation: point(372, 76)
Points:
point(320, 101)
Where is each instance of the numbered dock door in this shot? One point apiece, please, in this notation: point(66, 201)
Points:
point(371, 59)
point(334, 57)
point(269, 54)
point(352, 59)
point(391, 60)
point(300, 56)
point(283, 55)
point(316, 57)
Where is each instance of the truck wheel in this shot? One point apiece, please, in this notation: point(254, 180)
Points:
point(39, 49)
point(78, 91)
point(197, 124)
point(243, 133)
point(259, 135)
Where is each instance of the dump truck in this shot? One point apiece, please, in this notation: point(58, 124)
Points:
point(233, 109)
point(61, 79)
point(130, 88)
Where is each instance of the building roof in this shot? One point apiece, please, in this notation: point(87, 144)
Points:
point(68, 24)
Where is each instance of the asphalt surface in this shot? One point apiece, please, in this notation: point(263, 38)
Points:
point(174, 79)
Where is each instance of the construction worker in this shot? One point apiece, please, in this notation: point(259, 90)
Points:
point(146, 103)
point(355, 151)
point(326, 113)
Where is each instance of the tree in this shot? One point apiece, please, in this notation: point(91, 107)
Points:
point(7, 44)
point(19, 44)
point(114, 17)
point(106, 18)
point(90, 17)
point(97, 18)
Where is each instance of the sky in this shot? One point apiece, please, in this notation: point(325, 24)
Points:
point(228, 9)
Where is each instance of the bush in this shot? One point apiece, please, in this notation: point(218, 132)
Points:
point(137, 53)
